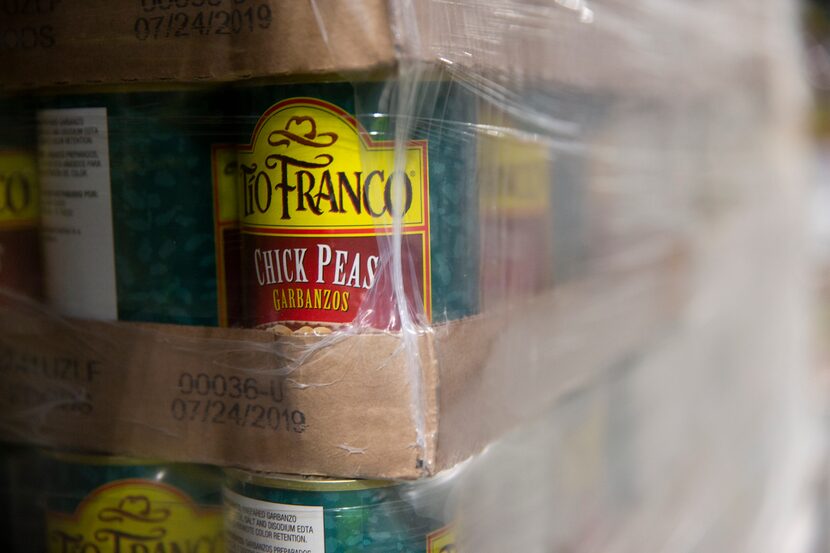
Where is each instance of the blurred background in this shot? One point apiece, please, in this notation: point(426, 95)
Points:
point(816, 22)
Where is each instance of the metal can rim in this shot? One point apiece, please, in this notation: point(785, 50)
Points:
point(305, 483)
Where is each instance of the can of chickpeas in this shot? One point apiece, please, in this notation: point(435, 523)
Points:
point(320, 193)
point(292, 514)
point(139, 203)
point(105, 504)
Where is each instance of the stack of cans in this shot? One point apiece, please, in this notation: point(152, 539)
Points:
point(264, 205)
point(68, 502)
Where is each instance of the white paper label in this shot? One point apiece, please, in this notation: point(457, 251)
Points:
point(73, 160)
point(260, 526)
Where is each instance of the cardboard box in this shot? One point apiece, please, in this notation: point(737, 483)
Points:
point(357, 405)
point(59, 42)
point(375, 405)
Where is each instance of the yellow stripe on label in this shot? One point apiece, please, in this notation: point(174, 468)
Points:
point(19, 192)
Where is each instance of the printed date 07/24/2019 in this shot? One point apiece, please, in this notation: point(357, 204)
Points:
point(213, 22)
point(239, 413)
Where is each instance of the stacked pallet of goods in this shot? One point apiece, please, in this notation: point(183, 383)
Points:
point(277, 275)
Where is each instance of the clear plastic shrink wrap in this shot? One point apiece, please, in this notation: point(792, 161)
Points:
point(552, 246)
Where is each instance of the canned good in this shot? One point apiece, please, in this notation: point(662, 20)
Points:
point(102, 504)
point(20, 263)
point(318, 198)
point(516, 214)
point(292, 514)
point(131, 213)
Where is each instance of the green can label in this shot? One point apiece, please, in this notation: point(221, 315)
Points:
point(101, 504)
point(297, 515)
point(254, 525)
point(135, 515)
point(129, 215)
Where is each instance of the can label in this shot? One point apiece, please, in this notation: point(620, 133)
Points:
point(128, 211)
point(135, 515)
point(254, 525)
point(516, 214)
point(318, 198)
point(442, 541)
point(19, 219)
point(78, 238)
point(226, 234)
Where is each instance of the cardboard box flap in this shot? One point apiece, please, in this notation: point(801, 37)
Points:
point(337, 405)
point(112, 41)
